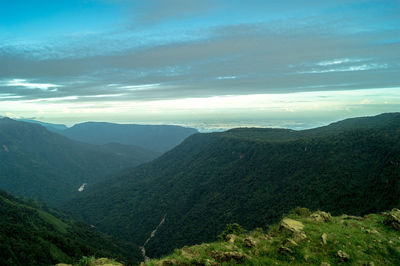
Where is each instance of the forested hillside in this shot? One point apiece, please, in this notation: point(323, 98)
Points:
point(158, 138)
point(249, 176)
point(31, 234)
point(37, 163)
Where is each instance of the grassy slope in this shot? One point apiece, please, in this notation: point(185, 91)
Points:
point(365, 239)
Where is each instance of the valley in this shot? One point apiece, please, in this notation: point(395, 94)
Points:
point(44, 165)
point(199, 132)
point(248, 176)
point(186, 196)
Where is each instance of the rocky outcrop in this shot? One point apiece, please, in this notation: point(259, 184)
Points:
point(249, 242)
point(320, 216)
point(324, 238)
point(294, 227)
point(231, 238)
point(228, 256)
point(168, 262)
point(392, 219)
point(351, 217)
point(291, 225)
point(343, 256)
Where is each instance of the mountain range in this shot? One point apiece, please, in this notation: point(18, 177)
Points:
point(153, 204)
point(158, 138)
point(40, 164)
point(250, 176)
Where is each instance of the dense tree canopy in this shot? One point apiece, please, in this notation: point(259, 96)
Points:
point(32, 234)
point(249, 176)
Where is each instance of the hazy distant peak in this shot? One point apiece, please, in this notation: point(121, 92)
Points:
point(158, 138)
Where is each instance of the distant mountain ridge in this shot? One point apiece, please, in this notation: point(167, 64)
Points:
point(250, 176)
point(50, 126)
point(159, 138)
point(40, 164)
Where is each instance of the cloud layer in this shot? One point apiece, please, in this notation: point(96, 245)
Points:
point(168, 50)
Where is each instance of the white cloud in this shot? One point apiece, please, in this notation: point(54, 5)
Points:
point(140, 87)
point(5, 96)
point(30, 85)
point(227, 77)
point(54, 99)
point(362, 67)
point(339, 61)
point(103, 95)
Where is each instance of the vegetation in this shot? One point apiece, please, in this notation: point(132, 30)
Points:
point(39, 164)
point(32, 234)
point(158, 138)
point(92, 261)
point(345, 240)
point(252, 177)
point(231, 229)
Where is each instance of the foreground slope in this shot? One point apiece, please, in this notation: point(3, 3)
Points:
point(37, 163)
point(159, 138)
point(249, 176)
point(302, 238)
point(35, 235)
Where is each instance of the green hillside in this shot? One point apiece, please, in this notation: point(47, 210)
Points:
point(31, 234)
point(37, 163)
point(249, 176)
point(302, 238)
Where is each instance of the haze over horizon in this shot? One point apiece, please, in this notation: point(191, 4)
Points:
point(211, 64)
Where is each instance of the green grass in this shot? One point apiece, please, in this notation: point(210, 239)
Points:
point(365, 239)
point(92, 261)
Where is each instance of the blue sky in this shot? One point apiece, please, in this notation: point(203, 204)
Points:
point(224, 63)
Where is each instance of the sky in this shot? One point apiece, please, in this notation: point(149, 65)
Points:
point(210, 64)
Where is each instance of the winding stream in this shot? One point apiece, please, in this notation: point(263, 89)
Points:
point(153, 233)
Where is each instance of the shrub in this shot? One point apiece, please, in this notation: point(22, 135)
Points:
point(234, 228)
point(299, 211)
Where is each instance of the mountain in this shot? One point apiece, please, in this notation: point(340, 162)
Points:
point(37, 163)
point(49, 126)
point(301, 238)
point(249, 176)
point(32, 234)
point(159, 138)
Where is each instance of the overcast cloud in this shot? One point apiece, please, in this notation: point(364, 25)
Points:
point(175, 49)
